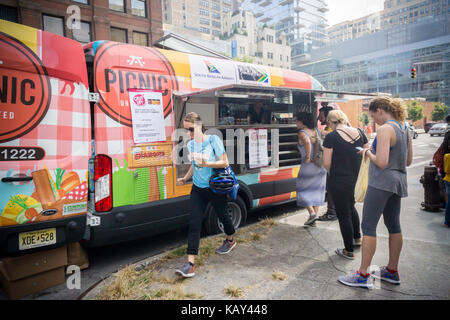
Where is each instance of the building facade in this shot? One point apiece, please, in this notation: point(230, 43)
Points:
point(130, 21)
point(353, 29)
point(205, 16)
point(395, 13)
point(255, 43)
point(382, 61)
point(303, 22)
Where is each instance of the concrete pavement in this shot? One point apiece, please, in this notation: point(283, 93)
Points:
point(305, 257)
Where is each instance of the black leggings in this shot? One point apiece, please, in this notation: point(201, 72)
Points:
point(199, 200)
point(343, 195)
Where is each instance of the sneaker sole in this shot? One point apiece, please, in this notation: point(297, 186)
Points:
point(386, 279)
point(231, 248)
point(310, 222)
point(186, 275)
point(344, 256)
point(359, 285)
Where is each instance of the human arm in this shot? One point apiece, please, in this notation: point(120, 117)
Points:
point(219, 152)
point(381, 158)
point(186, 177)
point(304, 141)
point(410, 151)
point(327, 156)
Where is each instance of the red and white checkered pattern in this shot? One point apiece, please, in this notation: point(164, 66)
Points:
point(64, 133)
point(79, 193)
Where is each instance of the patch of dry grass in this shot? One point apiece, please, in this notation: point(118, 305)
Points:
point(234, 292)
point(148, 283)
point(278, 275)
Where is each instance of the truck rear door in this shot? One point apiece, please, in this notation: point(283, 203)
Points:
point(44, 139)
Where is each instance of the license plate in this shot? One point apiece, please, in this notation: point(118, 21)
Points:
point(39, 238)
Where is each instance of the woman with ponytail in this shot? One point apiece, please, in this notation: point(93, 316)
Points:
point(390, 154)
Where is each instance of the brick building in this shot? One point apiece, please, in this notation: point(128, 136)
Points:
point(131, 21)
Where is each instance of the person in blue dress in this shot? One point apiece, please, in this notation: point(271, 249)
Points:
point(311, 180)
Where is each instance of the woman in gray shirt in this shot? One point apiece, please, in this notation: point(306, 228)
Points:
point(391, 153)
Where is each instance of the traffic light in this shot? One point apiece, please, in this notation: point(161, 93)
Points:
point(413, 73)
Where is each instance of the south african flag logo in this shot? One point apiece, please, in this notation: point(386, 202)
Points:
point(211, 67)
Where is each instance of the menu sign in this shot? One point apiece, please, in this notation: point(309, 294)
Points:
point(147, 116)
point(258, 155)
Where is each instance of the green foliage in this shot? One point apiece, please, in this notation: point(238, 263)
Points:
point(415, 111)
point(246, 59)
point(364, 118)
point(440, 112)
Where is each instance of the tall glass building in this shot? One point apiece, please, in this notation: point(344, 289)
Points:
point(382, 61)
point(302, 21)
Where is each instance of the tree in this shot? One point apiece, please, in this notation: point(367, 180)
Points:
point(364, 118)
point(415, 111)
point(439, 112)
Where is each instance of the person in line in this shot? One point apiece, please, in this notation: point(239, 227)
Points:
point(391, 153)
point(203, 150)
point(310, 183)
point(446, 170)
point(342, 161)
point(330, 214)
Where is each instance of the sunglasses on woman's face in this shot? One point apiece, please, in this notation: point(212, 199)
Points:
point(191, 129)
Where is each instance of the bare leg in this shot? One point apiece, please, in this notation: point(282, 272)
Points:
point(310, 210)
point(395, 247)
point(316, 209)
point(369, 245)
point(191, 258)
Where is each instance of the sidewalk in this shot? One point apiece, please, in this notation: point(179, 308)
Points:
point(282, 260)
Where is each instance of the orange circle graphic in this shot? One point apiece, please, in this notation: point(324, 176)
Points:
point(25, 90)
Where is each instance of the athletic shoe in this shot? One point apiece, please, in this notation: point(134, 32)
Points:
point(385, 275)
point(356, 280)
point(327, 217)
point(186, 270)
point(311, 219)
point(357, 243)
point(346, 254)
point(226, 247)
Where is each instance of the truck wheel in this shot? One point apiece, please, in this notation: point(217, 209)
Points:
point(237, 211)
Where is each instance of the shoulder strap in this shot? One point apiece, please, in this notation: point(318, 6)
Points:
point(305, 133)
point(353, 140)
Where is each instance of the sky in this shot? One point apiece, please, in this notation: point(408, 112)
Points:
point(342, 10)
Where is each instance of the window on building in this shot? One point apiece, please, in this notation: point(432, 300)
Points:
point(119, 35)
point(203, 3)
point(53, 24)
point(204, 12)
point(117, 5)
point(8, 13)
point(81, 1)
point(204, 21)
point(205, 30)
point(138, 8)
point(140, 38)
point(82, 34)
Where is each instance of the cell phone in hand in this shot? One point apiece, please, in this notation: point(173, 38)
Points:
point(359, 149)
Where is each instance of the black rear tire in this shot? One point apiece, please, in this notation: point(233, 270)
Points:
point(237, 211)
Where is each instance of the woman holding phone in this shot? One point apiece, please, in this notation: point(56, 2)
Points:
point(342, 161)
point(389, 156)
point(207, 152)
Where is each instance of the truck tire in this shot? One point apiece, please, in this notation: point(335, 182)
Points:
point(237, 211)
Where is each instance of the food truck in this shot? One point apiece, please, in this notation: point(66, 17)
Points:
point(90, 146)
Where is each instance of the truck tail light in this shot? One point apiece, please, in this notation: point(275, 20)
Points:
point(103, 183)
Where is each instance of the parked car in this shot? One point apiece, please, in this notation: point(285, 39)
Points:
point(428, 126)
point(438, 129)
point(414, 133)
